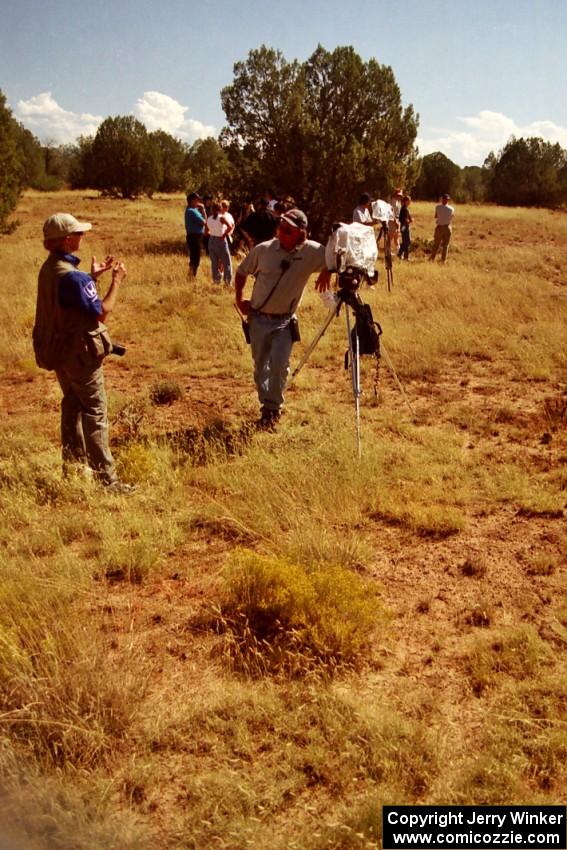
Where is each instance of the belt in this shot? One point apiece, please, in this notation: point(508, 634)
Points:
point(271, 315)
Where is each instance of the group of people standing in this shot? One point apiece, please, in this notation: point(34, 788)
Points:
point(212, 228)
point(398, 222)
point(400, 219)
point(210, 225)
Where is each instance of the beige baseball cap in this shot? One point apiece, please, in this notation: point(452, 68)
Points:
point(296, 218)
point(63, 224)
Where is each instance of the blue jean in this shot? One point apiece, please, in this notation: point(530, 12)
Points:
point(271, 343)
point(403, 252)
point(194, 242)
point(219, 253)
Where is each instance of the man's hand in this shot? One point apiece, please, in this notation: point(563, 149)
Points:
point(323, 282)
point(100, 268)
point(243, 305)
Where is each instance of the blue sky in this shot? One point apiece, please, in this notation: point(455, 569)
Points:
point(476, 72)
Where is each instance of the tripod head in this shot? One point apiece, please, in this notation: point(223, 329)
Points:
point(352, 277)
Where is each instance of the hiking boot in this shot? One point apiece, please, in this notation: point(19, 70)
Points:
point(119, 488)
point(78, 470)
point(268, 420)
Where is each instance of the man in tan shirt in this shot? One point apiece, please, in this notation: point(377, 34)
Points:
point(281, 268)
point(444, 214)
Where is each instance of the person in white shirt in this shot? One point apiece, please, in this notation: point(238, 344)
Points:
point(444, 214)
point(220, 225)
point(361, 213)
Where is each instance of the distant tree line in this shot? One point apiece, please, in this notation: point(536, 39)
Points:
point(321, 131)
point(526, 172)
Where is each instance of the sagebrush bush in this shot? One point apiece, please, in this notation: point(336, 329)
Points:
point(138, 463)
point(280, 616)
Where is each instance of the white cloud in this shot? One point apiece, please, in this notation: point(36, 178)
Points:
point(44, 117)
point(160, 112)
point(485, 132)
point(50, 122)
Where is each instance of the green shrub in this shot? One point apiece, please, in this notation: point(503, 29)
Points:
point(138, 463)
point(282, 617)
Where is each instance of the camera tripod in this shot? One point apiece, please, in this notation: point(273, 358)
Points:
point(364, 337)
point(384, 232)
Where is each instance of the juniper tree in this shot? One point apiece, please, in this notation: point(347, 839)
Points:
point(320, 130)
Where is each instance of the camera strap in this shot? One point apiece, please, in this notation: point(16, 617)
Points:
point(285, 264)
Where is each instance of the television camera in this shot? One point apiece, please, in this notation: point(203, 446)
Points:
point(383, 213)
point(351, 252)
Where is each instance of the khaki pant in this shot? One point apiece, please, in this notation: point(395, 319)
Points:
point(84, 420)
point(441, 239)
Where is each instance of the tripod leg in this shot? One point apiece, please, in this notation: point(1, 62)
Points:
point(397, 380)
point(354, 355)
point(332, 313)
point(388, 263)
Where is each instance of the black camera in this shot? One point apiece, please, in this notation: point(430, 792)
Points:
point(351, 278)
point(118, 349)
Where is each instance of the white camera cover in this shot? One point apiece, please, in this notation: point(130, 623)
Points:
point(352, 245)
point(382, 211)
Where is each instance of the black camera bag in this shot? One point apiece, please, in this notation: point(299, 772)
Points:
point(367, 330)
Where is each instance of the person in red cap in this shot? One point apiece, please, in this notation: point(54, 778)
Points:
point(70, 337)
point(281, 268)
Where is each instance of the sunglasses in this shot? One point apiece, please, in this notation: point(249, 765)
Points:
point(288, 229)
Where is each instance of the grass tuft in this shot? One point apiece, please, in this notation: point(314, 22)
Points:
point(165, 392)
point(60, 700)
point(513, 652)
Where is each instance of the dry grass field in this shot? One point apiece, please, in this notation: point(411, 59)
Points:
point(271, 639)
